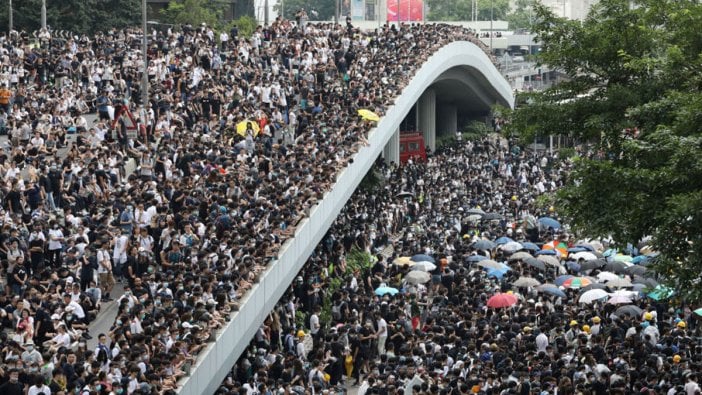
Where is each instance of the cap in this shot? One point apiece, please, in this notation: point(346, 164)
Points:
point(300, 333)
point(573, 323)
point(682, 324)
point(527, 329)
point(586, 328)
point(648, 316)
point(596, 319)
point(55, 317)
point(676, 358)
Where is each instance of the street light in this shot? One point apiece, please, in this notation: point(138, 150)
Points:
point(145, 72)
point(10, 21)
point(43, 14)
point(492, 10)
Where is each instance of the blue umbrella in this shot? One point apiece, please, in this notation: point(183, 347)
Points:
point(561, 279)
point(422, 258)
point(586, 247)
point(503, 240)
point(484, 245)
point(497, 273)
point(639, 259)
point(546, 252)
point(530, 246)
point(577, 249)
point(574, 266)
point(383, 290)
point(552, 290)
point(476, 258)
point(548, 222)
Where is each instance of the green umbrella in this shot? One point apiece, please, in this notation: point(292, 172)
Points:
point(661, 292)
point(698, 311)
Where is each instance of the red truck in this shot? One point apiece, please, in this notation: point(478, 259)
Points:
point(412, 146)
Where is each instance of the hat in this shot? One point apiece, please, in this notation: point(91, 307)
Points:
point(300, 333)
point(527, 329)
point(648, 316)
point(676, 358)
point(586, 328)
point(596, 319)
point(682, 325)
point(55, 317)
point(573, 323)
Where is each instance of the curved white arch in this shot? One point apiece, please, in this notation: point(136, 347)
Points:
point(217, 359)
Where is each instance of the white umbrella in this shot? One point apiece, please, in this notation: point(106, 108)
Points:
point(525, 282)
point(624, 293)
point(512, 246)
point(490, 264)
point(521, 255)
point(417, 277)
point(424, 266)
point(549, 260)
point(606, 276)
point(593, 295)
point(586, 255)
point(619, 300)
point(619, 283)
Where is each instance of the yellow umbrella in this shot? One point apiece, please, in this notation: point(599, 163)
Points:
point(368, 115)
point(243, 125)
point(402, 261)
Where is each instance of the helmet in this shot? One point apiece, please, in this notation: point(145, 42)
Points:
point(514, 198)
point(648, 316)
point(300, 333)
point(573, 323)
point(676, 358)
point(527, 329)
point(596, 319)
point(682, 325)
point(586, 328)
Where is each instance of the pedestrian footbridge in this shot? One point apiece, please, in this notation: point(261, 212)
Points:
point(456, 81)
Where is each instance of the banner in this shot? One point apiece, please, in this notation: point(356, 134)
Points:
point(409, 10)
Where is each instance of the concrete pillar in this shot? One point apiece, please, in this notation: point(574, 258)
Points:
point(391, 152)
point(447, 121)
point(426, 115)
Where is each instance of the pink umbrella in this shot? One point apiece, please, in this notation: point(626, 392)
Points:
point(501, 300)
point(619, 299)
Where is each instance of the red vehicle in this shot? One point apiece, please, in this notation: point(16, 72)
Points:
point(412, 146)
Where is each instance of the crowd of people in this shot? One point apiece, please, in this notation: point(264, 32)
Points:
point(440, 332)
point(241, 135)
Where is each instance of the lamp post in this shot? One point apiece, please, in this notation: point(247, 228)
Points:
point(492, 10)
point(43, 14)
point(10, 21)
point(145, 72)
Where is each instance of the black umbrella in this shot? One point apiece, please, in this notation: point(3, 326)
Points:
point(618, 267)
point(630, 310)
point(492, 217)
point(535, 263)
point(648, 282)
point(593, 264)
point(636, 270)
point(404, 194)
point(475, 211)
point(593, 286)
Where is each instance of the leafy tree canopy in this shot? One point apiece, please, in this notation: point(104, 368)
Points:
point(634, 73)
point(317, 10)
point(461, 10)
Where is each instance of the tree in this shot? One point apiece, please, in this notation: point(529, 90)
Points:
point(317, 10)
point(634, 95)
point(521, 16)
point(193, 12)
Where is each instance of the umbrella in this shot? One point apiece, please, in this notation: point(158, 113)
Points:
point(501, 300)
point(636, 270)
point(616, 266)
point(402, 261)
point(535, 263)
point(576, 249)
point(623, 258)
point(417, 277)
point(424, 266)
point(593, 286)
point(551, 289)
point(588, 256)
point(525, 282)
point(476, 258)
point(422, 258)
point(698, 311)
point(561, 279)
point(404, 194)
point(384, 290)
point(577, 282)
point(520, 256)
point(512, 246)
point(606, 276)
point(625, 293)
point(368, 115)
point(492, 217)
point(593, 295)
point(242, 126)
point(630, 310)
point(484, 245)
point(546, 252)
point(530, 246)
point(647, 282)
point(574, 266)
point(475, 211)
point(619, 283)
point(490, 264)
point(503, 240)
point(593, 264)
point(548, 222)
point(497, 273)
point(619, 300)
point(549, 260)
point(661, 292)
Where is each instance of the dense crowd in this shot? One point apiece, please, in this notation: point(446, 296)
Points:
point(473, 211)
point(241, 136)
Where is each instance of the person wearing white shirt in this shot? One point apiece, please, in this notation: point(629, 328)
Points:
point(382, 333)
point(39, 387)
point(541, 341)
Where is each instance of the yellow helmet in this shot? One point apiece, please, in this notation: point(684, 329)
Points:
point(648, 316)
point(300, 333)
point(596, 319)
point(573, 323)
point(682, 324)
point(586, 328)
point(676, 358)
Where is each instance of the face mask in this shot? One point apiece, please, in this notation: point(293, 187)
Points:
point(30, 348)
point(98, 387)
point(119, 391)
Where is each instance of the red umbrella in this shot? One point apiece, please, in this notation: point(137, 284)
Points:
point(501, 300)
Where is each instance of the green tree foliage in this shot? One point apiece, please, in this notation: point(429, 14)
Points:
point(635, 74)
point(521, 16)
point(78, 16)
point(461, 10)
point(194, 12)
point(324, 9)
